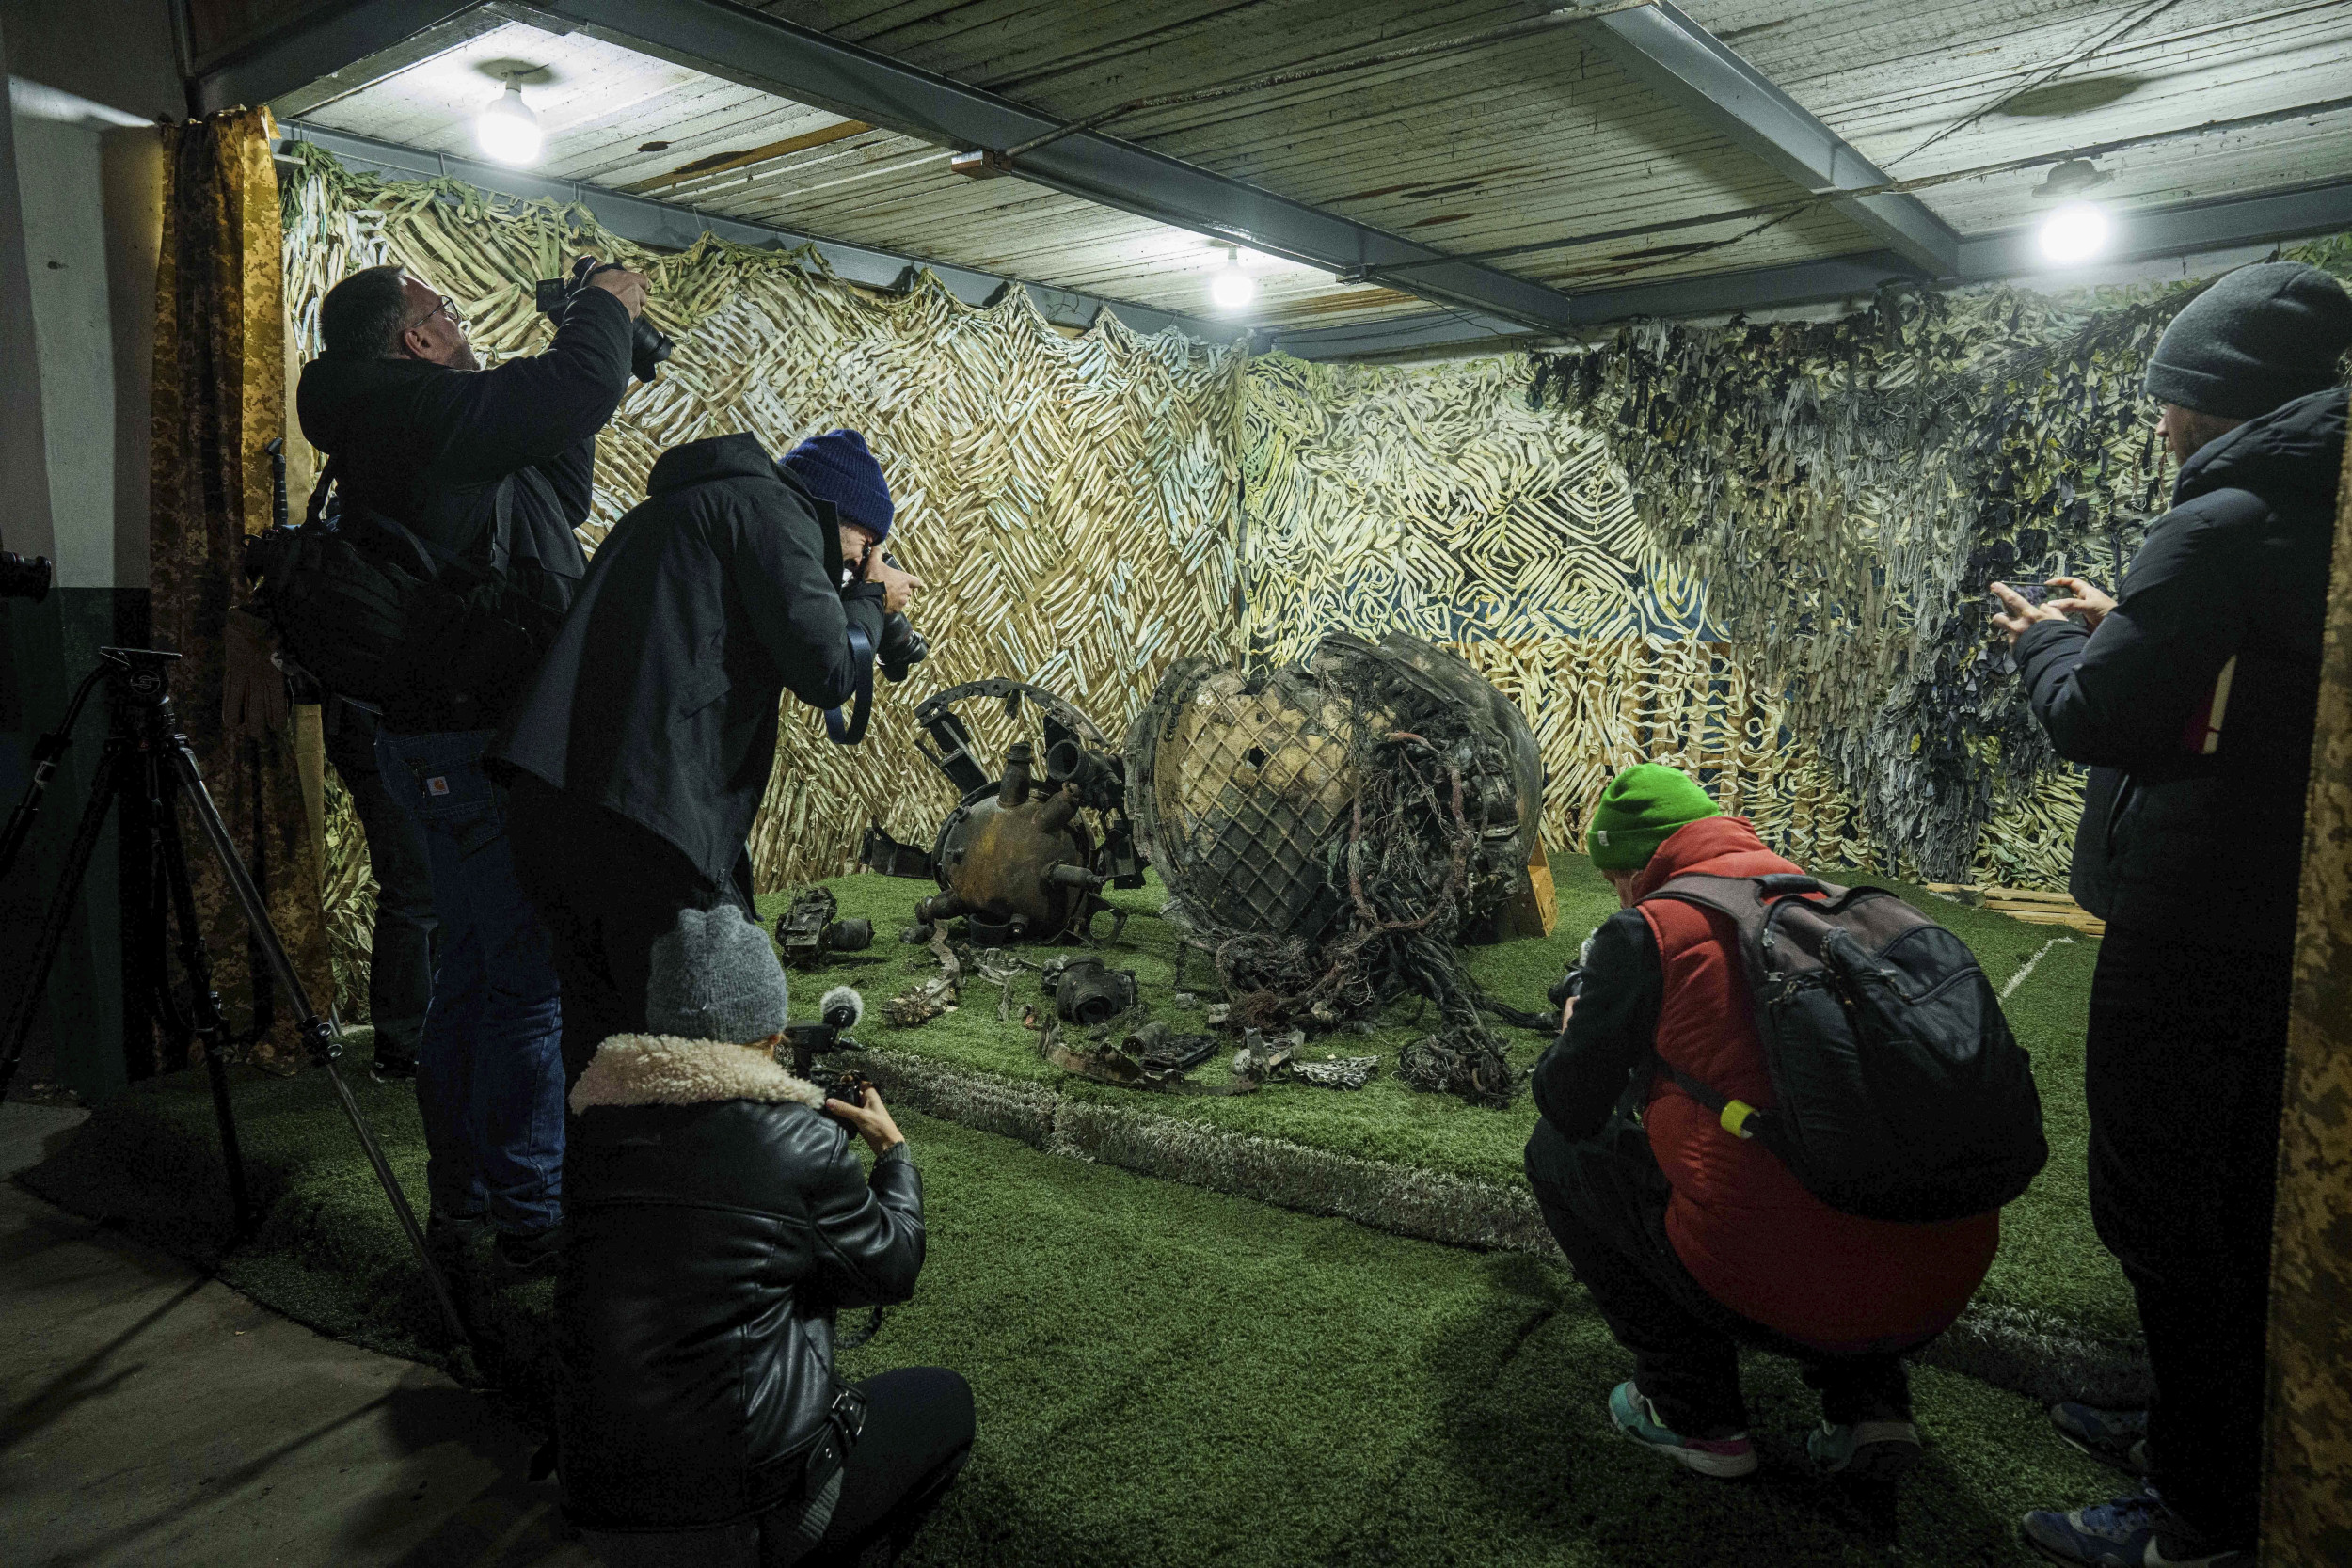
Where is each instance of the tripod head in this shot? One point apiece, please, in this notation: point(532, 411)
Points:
point(142, 673)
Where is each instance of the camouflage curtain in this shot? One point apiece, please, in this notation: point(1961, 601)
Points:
point(220, 394)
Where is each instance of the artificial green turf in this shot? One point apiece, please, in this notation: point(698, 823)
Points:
point(1167, 1375)
point(2050, 1262)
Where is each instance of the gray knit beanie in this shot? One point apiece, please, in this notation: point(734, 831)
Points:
point(715, 978)
point(2258, 336)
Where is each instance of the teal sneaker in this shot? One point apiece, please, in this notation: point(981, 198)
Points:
point(2117, 1437)
point(1866, 1450)
point(2129, 1532)
point(1637, 1419)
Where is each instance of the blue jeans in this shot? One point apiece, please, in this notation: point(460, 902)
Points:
point(489, 1063)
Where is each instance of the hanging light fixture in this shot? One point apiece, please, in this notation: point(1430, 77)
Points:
point(2076, 232)
point(1232, 289)
point(506, 129)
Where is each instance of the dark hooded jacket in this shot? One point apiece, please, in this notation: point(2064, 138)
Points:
point(703, 606)
point(2194, 702)
point(439, 451)
point(718, 1219)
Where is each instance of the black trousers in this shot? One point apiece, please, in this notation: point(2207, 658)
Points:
point(400, 961)
point(608, 889)
point(1605, 1199)
point(2185, 1071)
point(919, 1426)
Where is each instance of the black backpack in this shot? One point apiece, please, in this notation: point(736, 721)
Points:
point(378, 612)
point(1900, 1093)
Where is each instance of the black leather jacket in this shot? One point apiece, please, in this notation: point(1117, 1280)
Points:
point(718, 1219)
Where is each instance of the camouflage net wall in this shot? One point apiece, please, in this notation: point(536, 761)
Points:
point(1755, 552)
point(1759, 553)
point(1847, 488)
point(1434, 500)
point(1070, 500)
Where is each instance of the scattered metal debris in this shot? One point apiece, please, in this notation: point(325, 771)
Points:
point(934, 996)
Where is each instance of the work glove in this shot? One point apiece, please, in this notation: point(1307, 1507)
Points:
point(253, 697)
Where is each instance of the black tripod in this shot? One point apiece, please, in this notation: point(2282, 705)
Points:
point(146, 754)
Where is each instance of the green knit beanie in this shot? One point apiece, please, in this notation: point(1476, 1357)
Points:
point(1639, 811)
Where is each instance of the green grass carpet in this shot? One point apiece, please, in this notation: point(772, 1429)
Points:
point(2050, 1262)
point(1166, 1376)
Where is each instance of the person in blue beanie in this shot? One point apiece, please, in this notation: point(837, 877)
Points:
point(837, 468)
point(642, 749)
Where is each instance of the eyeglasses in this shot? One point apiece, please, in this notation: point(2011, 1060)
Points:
point(448, 307)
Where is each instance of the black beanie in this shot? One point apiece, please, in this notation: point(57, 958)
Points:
point(2258, 336)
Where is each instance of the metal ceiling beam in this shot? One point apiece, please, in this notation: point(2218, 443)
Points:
point(2146, 235)
point(766, 52)
point(671, 227)
point(321, 44)
point(1690, 68)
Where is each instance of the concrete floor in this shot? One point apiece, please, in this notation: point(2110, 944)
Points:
point(151, 1416)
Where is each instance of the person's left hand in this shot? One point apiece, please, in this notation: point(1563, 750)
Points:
point(870, 1121)
point(1565, 1012)
point(2021, 614)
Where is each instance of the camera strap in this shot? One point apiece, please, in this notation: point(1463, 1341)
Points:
point(851, 730)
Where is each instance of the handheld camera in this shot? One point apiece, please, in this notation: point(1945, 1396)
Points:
point(648, 345)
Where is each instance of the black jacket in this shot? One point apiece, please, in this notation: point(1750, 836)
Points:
point(2193, 816)
point(718, 1219)
point(702, 607)
point(1613, 1031)
point(435, 448)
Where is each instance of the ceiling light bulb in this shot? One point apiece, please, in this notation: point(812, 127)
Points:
point(507, 130)
point(2076, 232)
point(1232, 289)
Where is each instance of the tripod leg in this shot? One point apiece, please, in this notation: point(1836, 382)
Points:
point(319, 1036)
point(204, 1001)
point(60, 911)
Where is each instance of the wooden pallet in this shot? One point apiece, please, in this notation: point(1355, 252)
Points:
point(2027, 904)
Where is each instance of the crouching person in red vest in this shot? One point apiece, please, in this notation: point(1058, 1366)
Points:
point(1691, 1240)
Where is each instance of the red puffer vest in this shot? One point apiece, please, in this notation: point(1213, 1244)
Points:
point(1749, 1233)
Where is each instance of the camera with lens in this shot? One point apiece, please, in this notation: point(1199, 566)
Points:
point(1568, 985)
point(648, 345)
point(838, 1013)
point(807, 932)
point(28, 578)
point(902, 646)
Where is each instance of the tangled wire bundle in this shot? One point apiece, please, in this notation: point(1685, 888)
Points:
point(1334, 829)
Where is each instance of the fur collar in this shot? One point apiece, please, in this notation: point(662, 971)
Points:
point(664, 1069)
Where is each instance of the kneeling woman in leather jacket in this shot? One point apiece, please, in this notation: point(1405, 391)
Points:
point(719, 1218)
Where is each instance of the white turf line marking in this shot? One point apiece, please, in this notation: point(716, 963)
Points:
point(2019, 979)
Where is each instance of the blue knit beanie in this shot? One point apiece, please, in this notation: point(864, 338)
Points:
point(837, 467)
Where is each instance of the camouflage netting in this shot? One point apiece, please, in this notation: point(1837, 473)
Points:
point(1753, 552)
point(1070, 499)
point(1847, 488)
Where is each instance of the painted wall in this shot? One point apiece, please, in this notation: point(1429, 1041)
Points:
point(80, 220)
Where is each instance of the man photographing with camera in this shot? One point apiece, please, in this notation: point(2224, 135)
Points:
point(473, 479)
point(641, 753)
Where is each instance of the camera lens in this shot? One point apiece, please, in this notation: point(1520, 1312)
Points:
point(24, 577)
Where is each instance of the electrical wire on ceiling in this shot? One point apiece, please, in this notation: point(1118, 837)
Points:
point(2127, 27)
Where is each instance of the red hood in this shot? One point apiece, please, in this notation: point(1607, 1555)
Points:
point(1692, 845)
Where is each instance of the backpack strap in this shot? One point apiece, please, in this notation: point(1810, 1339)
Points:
point(1747, 902)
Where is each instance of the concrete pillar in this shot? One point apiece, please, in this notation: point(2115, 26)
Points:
point(2307, 1506)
